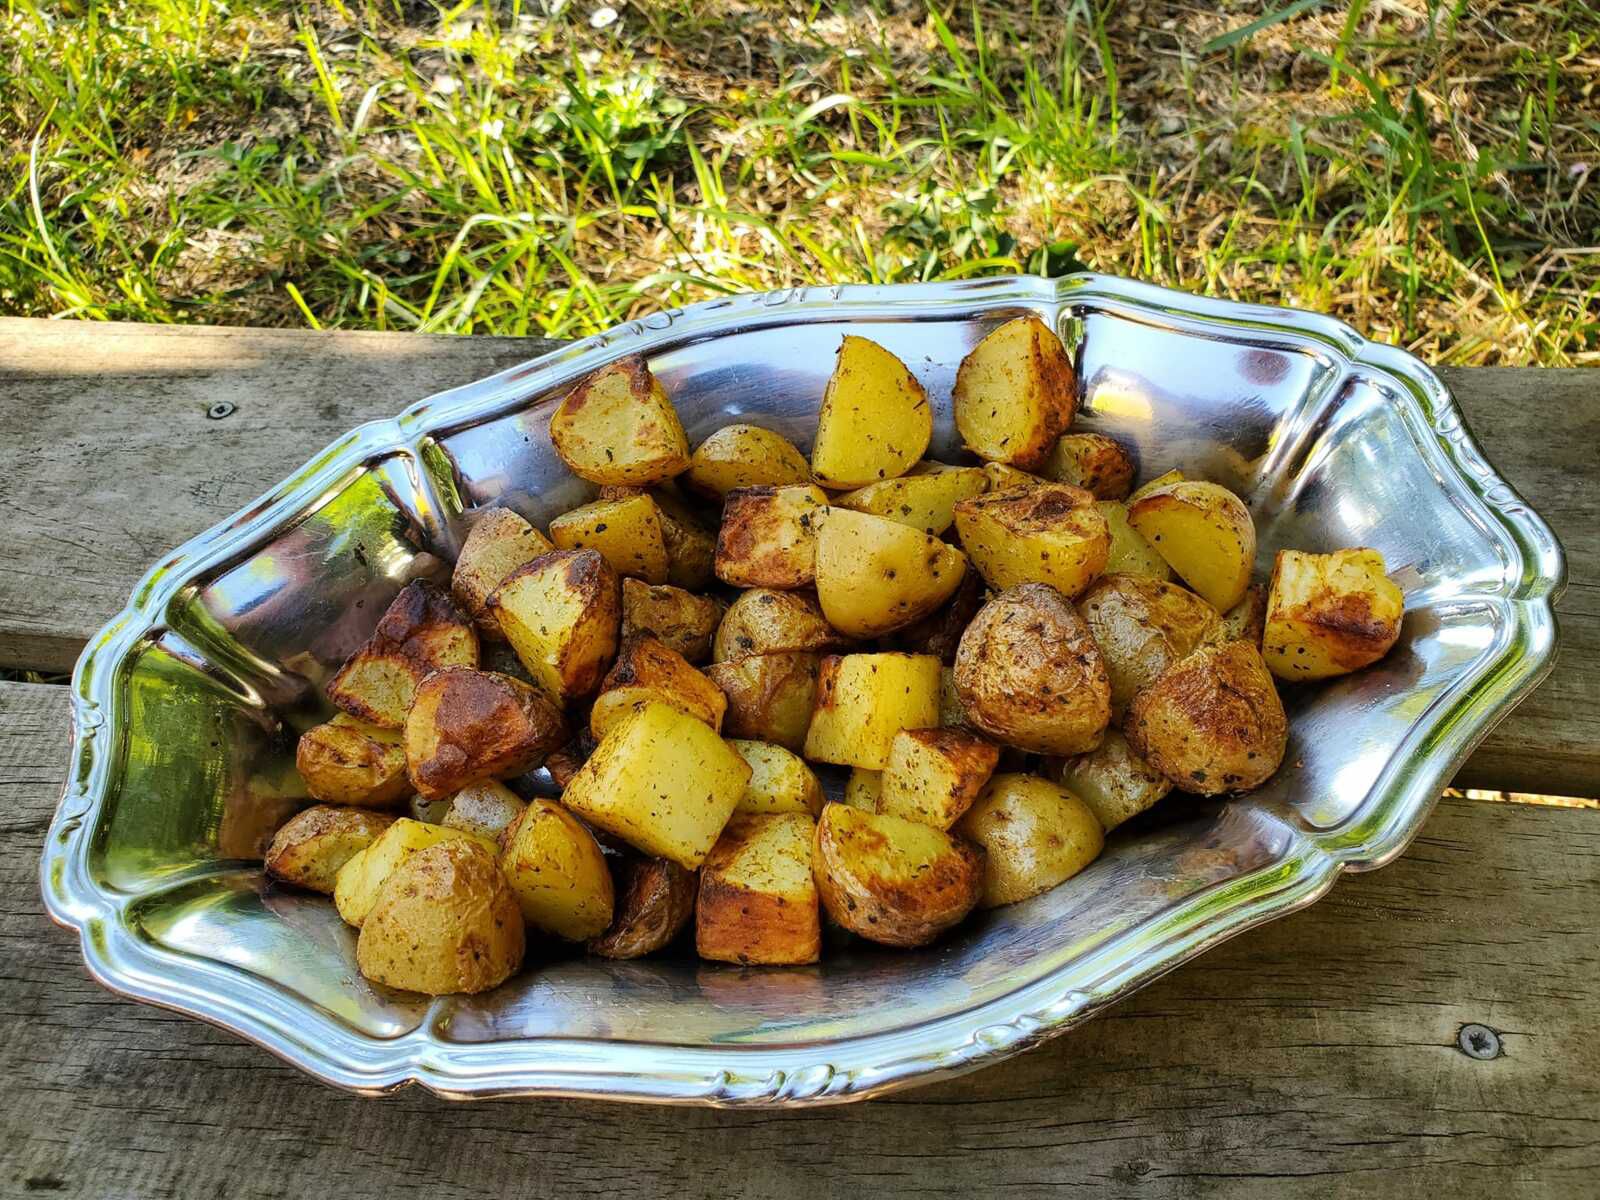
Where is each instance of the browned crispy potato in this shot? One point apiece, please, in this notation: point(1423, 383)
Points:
point(1212, 723)
point(654, 901)
point(1246, 620)
point(1015, 394)
point(767, 538)
point(626, 532)
point(618, 426)
point(940, 632)
point(1129, 553)
point(770, 696)
point(891, 880)
point(1142, 627)
point(1329, 614)
point(356, 887)
point(562, 613)
point(1008, 479)
point(421, 631)
point(499, 543)
point(1029, 674)
point(758, 900)
point(312, 847)
point(1204, 532)
point(469, 725)
point(1035, 834)
point(347, 761)
point(875, 420)
point(444, 922)
point(486, 807)
point(934, 775)
point(557, 872)
point(1050, 534)
point(764, 621)
point(780, 781)
point(1093, 462)
point(924, 497)
point(691, 547)
point(742, 456)
point(863, 700)
point(648, 670)
point(875, 576)
point(1113, 781)
point(678, 619)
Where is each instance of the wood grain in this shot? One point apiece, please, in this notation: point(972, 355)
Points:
point(1317, 1053)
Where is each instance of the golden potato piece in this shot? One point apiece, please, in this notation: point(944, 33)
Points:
point(875, 420)
point(627, 533)
point(1329, 614)
point(770, 696)
point(891, 880)
point(767, 538)
point(863, 789)
point(470, 725)
point(934, 775)
point(562, 613)
point(557, 873)
point(924, 498)
point(500, 541)
point(348, 761)
point(1156, 484)
point(758, 901)
point(1092, 462)
point(421, 631)
point(743, 456)
point(863, 700)
point(780, 781)
point(311, 847)
point(1206, 535)
point(765, 621)
point(1247, 620)
point(618, 426)
point(654, 901)
point(1212, 723)
point(1035, 834)
point(443, 922)
point(1008, 479)
point(646, 671)
point(691, 547)
point(486, 808)
point(1128, 553)
point(661, 781)
point(1029, 674)
point(1015, 394)
point(677, 619)
point(875, 576)
point(356, 886)
point(1142, 627)
point(1113, 781)
point(1051, 534)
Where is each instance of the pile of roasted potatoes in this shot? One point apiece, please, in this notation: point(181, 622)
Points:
point(1011, 658)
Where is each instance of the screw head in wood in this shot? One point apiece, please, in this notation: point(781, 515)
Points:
point(1478, 1041)
point(219, 410)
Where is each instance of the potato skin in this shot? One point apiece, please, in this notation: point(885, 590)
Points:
point(1015, 394)
point(626, 532)
point(1329, 614)
point(1212, 722)
point(1048, 534)
point(468, 725)
point(356, 887)
point(647, 669)
point(1035, 833)
point(348, 761)
point(875, 576)
point(654, 901)
point(444, 922)
point(758, 900)
point(1029, 674)
point(1093, 462)
point(678, 619)
point(312, 846)
point(499, 542)
point(421, 631)
point(1113, 781)
point(557, 872)
point(770, 696)
point(741, 456)
point(1142, 627)
point(768, 621)
point(1204, 532)
point(619, 427)
point(890, 880)
point(875, 421)
point(1003, 478)
point(767, 538)
point(562, 613)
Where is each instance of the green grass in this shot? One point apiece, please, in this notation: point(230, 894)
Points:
point(1433, 178)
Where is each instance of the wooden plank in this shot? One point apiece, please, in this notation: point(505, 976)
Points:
point(99, 413)
point(1319, 1050)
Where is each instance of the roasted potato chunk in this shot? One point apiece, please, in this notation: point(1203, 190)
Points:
point(939, 633)
point(770, 696)
point(1128, 553)
point(356, 886)
point(767, 537)
point(1035, 834)
point(500, 541)
point(758, 900)
point(347, 761)
point(661, 781)
point(743, 456)
point(1212, 723)
point(891, 880)
point(557, 873)
point(1008, 479)
point(468, 725)
point(654, 901)
point(934, 775)
point(1029, 674)
point(646, 671)
point(562, 613)
point(1204, 532)
point(443, 922)
point(863, 700)
point(486, 808)
point(627, 533)
point(691, 547)
point(618, 426)
point(1113, 781)
point(1093, 462)
point(677, 619)
point(924, 498)
point(863, 788)
point(875, 576)
point(1247, 620)
point(311, 847)
point(1051, 534)
point(1156, 484)
point(1015, 394)
point(1329, 614)
point(421, 631)
point(875, 420)
point(764, 621)
point(780, 781)
point(1142, 627)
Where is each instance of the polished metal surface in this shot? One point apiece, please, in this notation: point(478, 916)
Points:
point(187, 706)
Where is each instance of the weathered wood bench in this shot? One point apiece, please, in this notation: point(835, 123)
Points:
point(1321, 1049)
